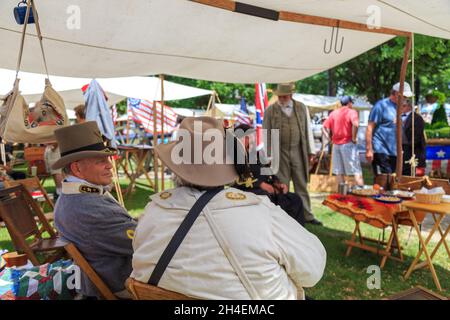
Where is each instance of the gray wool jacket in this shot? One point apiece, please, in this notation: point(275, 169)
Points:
point(102, 231)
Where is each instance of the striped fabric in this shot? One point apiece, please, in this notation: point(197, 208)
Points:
point(141, 111)
point(261, 102)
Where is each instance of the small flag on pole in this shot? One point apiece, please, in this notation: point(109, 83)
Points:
point(261, 103)
point(242, 115)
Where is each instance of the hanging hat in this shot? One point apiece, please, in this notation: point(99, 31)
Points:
point(285, 89)
point(199, 174)
point(80, 141)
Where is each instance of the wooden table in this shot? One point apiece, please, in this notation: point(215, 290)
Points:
point(140, 153)
point(439, 211)
point(377, 214)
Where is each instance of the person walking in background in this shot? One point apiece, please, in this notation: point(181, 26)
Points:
point(407, 139)
point(381, 138)
point(343, 125)
point(296, 142)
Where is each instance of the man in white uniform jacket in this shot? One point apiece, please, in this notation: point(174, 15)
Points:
point(240, 247)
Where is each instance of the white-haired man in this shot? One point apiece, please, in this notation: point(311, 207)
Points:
point(86, 214)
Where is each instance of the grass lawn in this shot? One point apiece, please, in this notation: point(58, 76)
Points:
point(344, 278)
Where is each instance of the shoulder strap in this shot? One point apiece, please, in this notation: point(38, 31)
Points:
point(180, 234)
point(31, 5)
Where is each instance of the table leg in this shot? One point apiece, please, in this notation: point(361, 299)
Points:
point(349, 249)
point(397, 239)
point(392, 236)
point(442, 240)
point(424, 249)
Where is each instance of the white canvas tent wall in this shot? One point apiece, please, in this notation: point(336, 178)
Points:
point(190, 39)
point(117, 89)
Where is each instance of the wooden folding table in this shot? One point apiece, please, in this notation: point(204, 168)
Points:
point(377, 214)
point(438, 211)
point(139, 153)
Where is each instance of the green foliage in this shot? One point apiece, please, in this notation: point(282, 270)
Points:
point(439, 116)
point(438, 133)
point(440, 97)
point(439, 125)
point(228, 92)
point(373, 73)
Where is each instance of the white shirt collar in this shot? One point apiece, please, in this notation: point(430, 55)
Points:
point(71, 178)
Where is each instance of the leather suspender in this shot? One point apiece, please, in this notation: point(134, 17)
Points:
point(180, 234)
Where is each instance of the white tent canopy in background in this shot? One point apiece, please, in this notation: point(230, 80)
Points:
point(189, 39)
point(318, 103)
point(117, 89)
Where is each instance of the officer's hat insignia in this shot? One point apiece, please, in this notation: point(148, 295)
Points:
point(235, 196)
point(165, 195)
point(89, 189)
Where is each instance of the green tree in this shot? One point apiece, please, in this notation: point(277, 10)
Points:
point(373, 73)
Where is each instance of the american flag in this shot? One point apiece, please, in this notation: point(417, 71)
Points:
point(438, 160)
point(242, 115)
point(141, 111)
point(261, 103)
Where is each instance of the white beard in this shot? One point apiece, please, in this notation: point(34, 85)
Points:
point(284, 105)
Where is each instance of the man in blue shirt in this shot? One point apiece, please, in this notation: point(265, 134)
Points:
point(381, 135)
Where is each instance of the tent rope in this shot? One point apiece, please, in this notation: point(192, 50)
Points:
point(413, 161)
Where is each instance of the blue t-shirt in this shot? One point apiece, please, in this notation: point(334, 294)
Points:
point(384, 115)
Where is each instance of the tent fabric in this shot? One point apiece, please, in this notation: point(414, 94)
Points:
point(189, 39)
point(117, 89)
point(319, 103)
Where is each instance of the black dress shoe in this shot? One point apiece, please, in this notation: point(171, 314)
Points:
point(315, 222)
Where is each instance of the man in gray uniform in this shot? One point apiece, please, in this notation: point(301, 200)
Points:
point(296, 143)
point(86, 214)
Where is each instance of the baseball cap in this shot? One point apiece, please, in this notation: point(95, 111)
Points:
point(346, 100)
point(406, 89)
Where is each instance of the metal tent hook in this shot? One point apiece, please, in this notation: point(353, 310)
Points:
point(336, 41)
point(331, 43)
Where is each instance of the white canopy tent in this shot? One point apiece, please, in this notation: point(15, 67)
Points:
point(319, 103)
point(117, 89)
point(140, 37)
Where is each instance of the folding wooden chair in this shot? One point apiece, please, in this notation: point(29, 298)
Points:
point(144, 291)
point(18, 211)
point(416, 293)
point(33, 184)
point(79, 260)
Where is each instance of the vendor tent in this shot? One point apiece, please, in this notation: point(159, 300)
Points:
point(213, 40)
point(319, 103)
point(117, 89)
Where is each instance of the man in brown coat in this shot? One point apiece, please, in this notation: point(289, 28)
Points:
point(296, 143)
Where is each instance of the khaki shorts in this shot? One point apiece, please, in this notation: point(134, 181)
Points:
point(346, 159)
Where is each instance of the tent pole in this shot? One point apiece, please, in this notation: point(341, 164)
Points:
point(295, 17)
point(155, 142)
point(209, 102)
point(161, 77)
point(399, 167)
point(117, 183)
point(217, 96)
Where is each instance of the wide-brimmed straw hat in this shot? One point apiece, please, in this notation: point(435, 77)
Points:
point(80, 141)
point(285, 89)
point(198, 173)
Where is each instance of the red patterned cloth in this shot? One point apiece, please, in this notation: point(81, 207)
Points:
point(363, 209)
